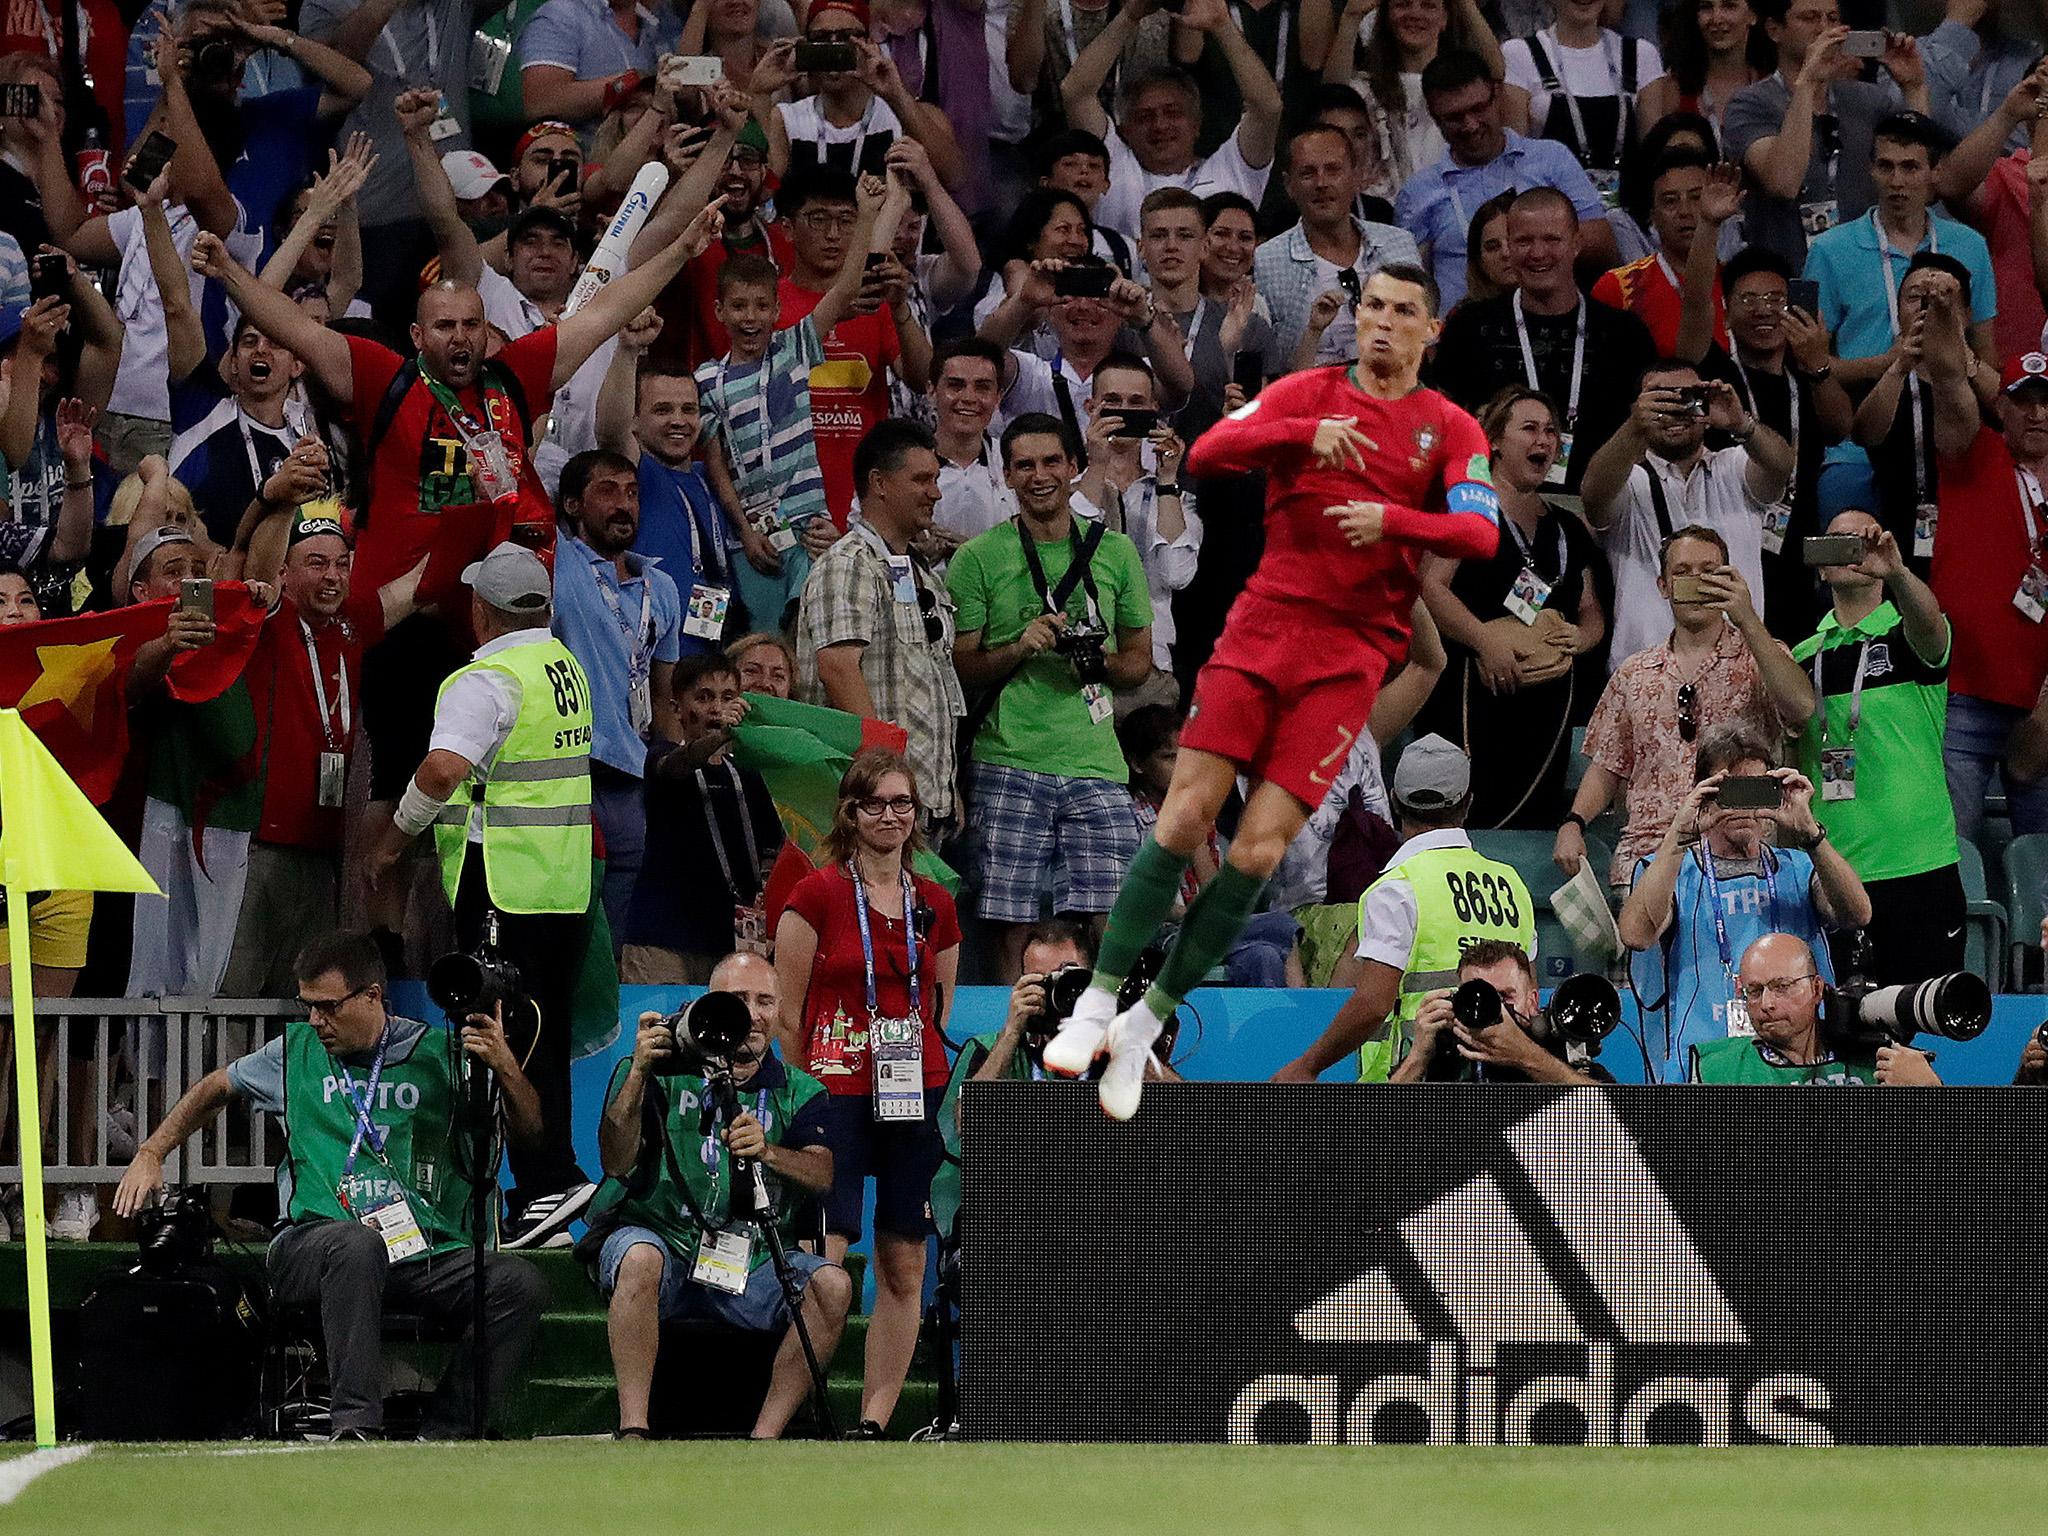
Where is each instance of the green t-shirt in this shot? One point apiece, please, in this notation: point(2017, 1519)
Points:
point(1041, 721)
point(789, 1104)
point(1742, 1059)
point(1901, 822)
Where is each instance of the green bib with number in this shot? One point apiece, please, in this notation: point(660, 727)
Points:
point(533, 803)
point(1461, 897)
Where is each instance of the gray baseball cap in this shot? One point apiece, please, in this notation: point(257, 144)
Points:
point(1433, 775)
point(154, 540)
point(511, 577)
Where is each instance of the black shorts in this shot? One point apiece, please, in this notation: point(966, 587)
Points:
point(901, 1157)
point(1918, 927)
point(402, 676)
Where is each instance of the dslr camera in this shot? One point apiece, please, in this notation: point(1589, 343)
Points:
point(474, 982)
point(709, 1032)
point(1583, 1011)
point(1858, 1018)
point(1063, 989)
point(1086, 648)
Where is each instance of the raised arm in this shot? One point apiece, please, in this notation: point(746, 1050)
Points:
point(618, 395)
point(1779, 163)
point(1024, 46)
point(630, 292)
point(325, 353)
point(41, 328)
point(1719, 202)
point(695, 174)
point(774, 73)
point(1607, 472)
point(921, 120)
point(331, 196)
point(880, 209)
point(345, 81)
point(1959, 178)
point(1260, 436)
point(1926, 627)
point(98, 332)
point(959, 268)
point(195, 175)
point(1078, 92)
point(1258, 130)
point(1341, 56)
point(462, 259)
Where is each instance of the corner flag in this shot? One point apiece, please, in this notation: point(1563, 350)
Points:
point(51, 839)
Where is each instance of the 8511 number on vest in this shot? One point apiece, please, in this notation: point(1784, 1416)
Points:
point(1480, 897)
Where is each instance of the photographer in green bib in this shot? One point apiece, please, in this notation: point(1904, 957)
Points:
point(665, 1242)
point(1437, 897)
point(505, 785)
point(376, 1183)
point(1785, 996)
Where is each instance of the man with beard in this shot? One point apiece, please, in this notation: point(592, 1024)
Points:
point(622, 618)
point(693, 334)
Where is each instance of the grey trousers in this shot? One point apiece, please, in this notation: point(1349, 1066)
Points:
point(340, 1266)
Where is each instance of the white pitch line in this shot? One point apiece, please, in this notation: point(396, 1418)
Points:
point(18, 1472)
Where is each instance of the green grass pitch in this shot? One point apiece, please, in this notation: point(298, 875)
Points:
point(573, 1487)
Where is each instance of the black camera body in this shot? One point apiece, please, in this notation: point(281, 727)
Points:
point(709, 1031)
point(1859, 1018)
point(178, 1234)
point(474, 982)
point(1087, 651)
point(1063, 989)
point(1583, 1011)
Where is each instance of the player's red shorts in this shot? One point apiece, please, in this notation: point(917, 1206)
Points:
point(1284, 699)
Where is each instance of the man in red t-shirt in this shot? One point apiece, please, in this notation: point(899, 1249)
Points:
point(448, 440)
point(691, 332)
point(305, 686)
point(1990, 573)
point(1367, 471)
point(850, 389)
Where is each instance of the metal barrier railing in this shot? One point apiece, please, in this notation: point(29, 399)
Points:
point(115, 1066)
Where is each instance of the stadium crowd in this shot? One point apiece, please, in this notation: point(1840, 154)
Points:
point(889, 406)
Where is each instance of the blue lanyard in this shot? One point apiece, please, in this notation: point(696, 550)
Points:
point(1770, 878)
point(709, 531)
point(361, 1100)
point(867, 939)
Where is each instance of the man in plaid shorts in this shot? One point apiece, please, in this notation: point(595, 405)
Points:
point(1053, 614)
point(1367, 472)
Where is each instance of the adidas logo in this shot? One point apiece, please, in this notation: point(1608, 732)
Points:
point(1567, 1254)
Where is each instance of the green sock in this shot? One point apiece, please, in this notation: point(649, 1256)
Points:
point(1142, 904)
point(1213, 923)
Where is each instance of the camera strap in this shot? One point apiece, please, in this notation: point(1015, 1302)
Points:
point(717, 833)
point(1077, 572)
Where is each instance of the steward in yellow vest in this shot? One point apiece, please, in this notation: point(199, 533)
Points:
point(1436, 897)
point(505, 785)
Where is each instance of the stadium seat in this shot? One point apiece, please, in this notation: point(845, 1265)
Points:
point(1528, 852)
point(2026, 900)
point(1984, 952)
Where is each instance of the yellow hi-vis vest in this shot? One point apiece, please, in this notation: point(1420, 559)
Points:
point(533, 805)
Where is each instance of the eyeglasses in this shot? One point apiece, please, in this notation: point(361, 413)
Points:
point(1769, 303)
point(331, 1006)
point(1781, 986)
point(1688, 701)
point(820, 220)
point(928, 609)
point(895, 805)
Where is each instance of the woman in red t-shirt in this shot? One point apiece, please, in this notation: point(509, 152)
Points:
point(864, 944)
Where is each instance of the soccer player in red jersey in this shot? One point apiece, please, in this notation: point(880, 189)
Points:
point(1366, 471)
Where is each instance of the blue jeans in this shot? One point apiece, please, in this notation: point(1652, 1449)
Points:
point(1259, 958)
point(1978, 731)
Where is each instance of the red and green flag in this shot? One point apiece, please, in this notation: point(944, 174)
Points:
point(801, 752)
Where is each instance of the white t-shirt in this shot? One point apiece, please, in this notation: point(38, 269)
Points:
point(1130, 183)
point(972, 496)
point(1169, 566)
point(573, 416)
point(475, 716)
point(1388, 917)
point(1715, 495)
point(1584, 72)
point(142, 385)
point(804, 121)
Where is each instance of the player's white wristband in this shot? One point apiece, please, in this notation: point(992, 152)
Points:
point(416, 810)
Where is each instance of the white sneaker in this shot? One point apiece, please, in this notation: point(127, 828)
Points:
point(76, 1215)
point(1073, 1050)
point(1130, 1047)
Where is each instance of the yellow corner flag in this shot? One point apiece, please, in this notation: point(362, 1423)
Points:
point(51, 839)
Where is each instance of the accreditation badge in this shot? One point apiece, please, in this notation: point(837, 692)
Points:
point(395, 1223)
point(1926, 518)
point(2032, 597)
point(1560, 466)
point(724, 1261)
point(1738, 1018)
point(896, 1047)
point(704, 618)
point(1527, 596)
point(1777, 523)
point(333, 780)
point(1838, 773)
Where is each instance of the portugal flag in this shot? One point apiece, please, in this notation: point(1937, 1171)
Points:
point(801, 752)
point(69, 677)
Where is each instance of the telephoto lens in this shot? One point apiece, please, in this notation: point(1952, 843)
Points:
point(1477, 1005)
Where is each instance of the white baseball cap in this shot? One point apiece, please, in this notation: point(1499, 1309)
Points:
point(471, 174)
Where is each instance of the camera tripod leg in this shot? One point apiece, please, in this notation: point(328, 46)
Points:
point(483, 1112)
point(793, 1298)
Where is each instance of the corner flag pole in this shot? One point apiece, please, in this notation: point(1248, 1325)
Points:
point(28, 1122)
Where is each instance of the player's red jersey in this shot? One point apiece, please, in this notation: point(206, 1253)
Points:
point(1427, 462)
